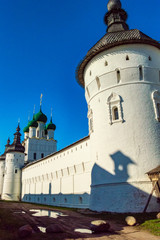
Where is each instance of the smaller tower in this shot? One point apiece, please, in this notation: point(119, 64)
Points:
point(14, 163)
point(2, 166)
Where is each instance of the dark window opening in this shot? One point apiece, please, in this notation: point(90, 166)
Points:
point(158, 111)
point(34, 156)
point(115, 114)
point(42, 155)
point(106, 63)
point(140, 73)
point(149, 58)
point(127, 57)
point(16, 170)
point(118, 76)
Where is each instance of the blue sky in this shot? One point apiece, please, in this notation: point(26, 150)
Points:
point(41, 44)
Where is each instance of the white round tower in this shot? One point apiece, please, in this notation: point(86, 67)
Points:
point(14, 163)
point(2, 166)
point(121, 76)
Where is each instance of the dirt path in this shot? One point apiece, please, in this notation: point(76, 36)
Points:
point(70, 220)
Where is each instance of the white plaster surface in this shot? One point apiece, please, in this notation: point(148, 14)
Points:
point(125, 150)
point(2, 166)
point(12, 177)
point(61, 179)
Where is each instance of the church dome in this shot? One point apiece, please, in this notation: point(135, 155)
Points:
point(26, 129)
point(51, 126)
point(33, 123)
point(40, 117)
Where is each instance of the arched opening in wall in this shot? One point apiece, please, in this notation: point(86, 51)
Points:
point(115, 113)
point(90, 73)
point(149, 58)
point(118, 75)
point(127, 58)
point(105, 63)
point(80, 200)
point(98, 82)
point(140, 73)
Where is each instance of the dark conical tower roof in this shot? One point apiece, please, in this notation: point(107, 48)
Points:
point(16, 146)
point(118, 33)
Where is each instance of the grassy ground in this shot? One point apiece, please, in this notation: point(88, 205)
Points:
point(152, 226)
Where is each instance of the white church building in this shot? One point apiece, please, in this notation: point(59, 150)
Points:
point(117, 167)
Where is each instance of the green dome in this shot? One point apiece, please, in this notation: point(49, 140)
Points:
point(33, 123)
point(51, 126)
point(26, 129)
point(41, 117)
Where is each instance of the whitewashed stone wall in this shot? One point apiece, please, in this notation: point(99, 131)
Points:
point(2, 166)
point(61, 179)
point(123, 150)
point(39, 146)
point(12, 176)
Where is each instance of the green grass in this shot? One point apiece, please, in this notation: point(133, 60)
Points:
point(152, 226)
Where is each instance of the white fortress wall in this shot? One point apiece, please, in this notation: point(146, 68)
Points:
point(125, 149)
point(60, 179)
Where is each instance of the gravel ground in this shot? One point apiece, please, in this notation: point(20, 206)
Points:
point(70, 220)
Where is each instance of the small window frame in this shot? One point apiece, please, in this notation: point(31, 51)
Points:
point(114, 102)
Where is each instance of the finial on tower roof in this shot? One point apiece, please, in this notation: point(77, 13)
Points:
point(34, 109)
point(116, 17)
point(8, 141)
point(114, 4)
point(18, 128)
point(41, 100)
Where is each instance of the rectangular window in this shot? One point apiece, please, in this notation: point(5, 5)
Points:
point(42, 155)
point(140, 73)
point(16, 170)
point(34, 156)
